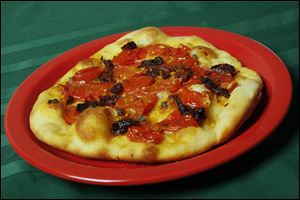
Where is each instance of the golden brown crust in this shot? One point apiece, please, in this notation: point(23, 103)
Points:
point(87, 124)
point(240, 106)
point(90, 135)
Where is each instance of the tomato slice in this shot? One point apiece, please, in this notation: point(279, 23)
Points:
point(89, 91)
point(138, 82)
point(126, 58)
point(219, 78)
point(192, 81)
point(87, 75)
point(176, 121)
point(144, 134)
point(70, 114)
point(199, 71)
point(162, 49)
point(133, 103)
point(125, 72)
point(156, 50)
point(140, 106)
point(171, 85)
point(191, 98)
point(149, 102)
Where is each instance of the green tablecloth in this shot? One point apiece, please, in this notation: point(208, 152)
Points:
point(34, 32)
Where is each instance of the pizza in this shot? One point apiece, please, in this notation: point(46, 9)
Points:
point(147, 97)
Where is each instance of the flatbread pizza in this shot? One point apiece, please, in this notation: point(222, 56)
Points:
point(147, 97)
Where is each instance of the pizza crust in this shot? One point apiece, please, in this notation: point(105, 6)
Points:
point(94, 140)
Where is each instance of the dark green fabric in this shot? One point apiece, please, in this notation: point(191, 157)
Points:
point(34, 32)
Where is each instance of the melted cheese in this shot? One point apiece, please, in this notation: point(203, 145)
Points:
point(158, 113)
point(198, 88)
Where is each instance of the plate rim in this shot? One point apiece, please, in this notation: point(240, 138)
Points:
point(155, 177)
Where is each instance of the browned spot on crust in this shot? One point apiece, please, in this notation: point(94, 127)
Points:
point(201, 51)
point(93, 123)
point(65, 142)
point(54, 106)
point(150, 154)
point(103, 155)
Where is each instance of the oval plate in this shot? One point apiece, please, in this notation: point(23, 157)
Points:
point(276, 97)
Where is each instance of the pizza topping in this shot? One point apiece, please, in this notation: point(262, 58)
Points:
point(141, 118)
point(198, 88)
point(183, 72)
point(224, 69)
point(70, 100)
point(121, 126)
point(152, 62)
point(122, 73)
point(90, 91)
point(154, 71)
point(129, 46)
point(127, 58)
point(153, 67)
point(171, 85)
point(120, 111)
point(94, 104)
point(70, 114)
point(165, 72)
point(137, 83)
point(149, 102)
point(164, 104)
point(86, 75)
point(137, 106)
point(144, 133)
point(108, 100)
point(222, 73)
point(179, 56)
point(198, 72)
point(82, 106)
point(214, 87)
point(192, 98)
point(176, 121)
point(117, 89)
point(129, 83)
point(107, 75)
point(232, 86)
point(197, 113)
point(52, 101)
point(183, 109)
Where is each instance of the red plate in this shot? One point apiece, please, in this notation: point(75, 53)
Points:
point(270, 112)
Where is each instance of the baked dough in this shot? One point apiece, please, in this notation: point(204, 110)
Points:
point(90, 136)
